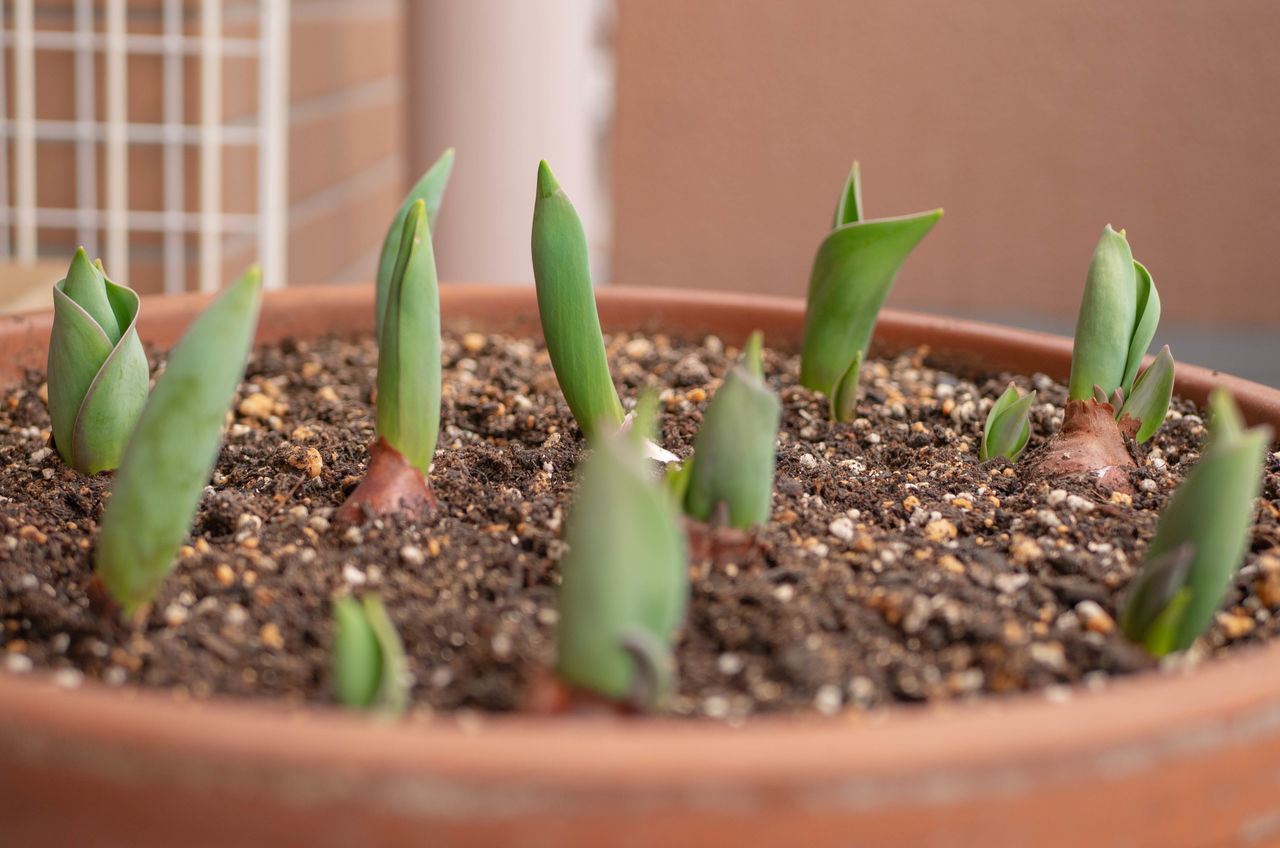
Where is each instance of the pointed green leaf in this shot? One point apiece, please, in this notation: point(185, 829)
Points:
point(77, 349)
point(733, 452)
point(849, 207)
point(1156, 585)
point(1008, 426)
point(393, 691)
point(1152, 392)
point(567, 309)
point(86, 285)
point(430, 190)
point(174, 446)
point(752, 357)
point(625, 573)
point(357, 659)
point(1144, 328)
point(853, 270)
point(1108, 315)
point(96, 388)
point(1212, 511)
point(408, 413)
point(844, 399)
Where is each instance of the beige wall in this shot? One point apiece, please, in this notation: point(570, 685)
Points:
point(1032, 123)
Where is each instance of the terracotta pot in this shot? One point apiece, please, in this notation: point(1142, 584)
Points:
point(1167, 760)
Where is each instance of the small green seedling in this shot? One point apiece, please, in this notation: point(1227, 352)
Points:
point(1008, 426)
point(430, 190)
point(369, 667)
point(733, 454)
point(567, 309)
point(98, 371)
point(173, 448)
point(1119, 313)
point(1201, 538)
point(853, 271)
point(408, 409)
point(624, 582)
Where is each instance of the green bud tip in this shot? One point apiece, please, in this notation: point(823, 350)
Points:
point(547, 184)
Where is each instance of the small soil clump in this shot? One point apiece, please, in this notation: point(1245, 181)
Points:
point(896, 567)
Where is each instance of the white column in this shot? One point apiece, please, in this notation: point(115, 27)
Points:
point(210, 145)
point(86, 148)
point(174, 194)
point(24, 112)
point(117, 253)
point(273, 121)
point(508, 82)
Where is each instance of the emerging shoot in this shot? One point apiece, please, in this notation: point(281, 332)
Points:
point(430, 190)
point(368, 657)
point(853, 271)
point(1201, 538)
point(1008, 426)
point(173, 448)
point(732, 466)
point(408, 412)
point(625, 582)
point(98, 371)
point(567, 309)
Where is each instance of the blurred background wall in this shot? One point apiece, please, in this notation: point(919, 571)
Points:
point(704, 142)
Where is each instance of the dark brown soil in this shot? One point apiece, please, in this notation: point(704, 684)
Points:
point(896, 568)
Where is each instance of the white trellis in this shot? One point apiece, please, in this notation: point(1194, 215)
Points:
point(102, 28)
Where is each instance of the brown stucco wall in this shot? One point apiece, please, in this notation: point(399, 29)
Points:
point(1032, 123)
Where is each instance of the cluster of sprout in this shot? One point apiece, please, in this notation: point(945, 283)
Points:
point(624, 580)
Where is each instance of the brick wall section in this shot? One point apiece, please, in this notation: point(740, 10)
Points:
point(346, 136)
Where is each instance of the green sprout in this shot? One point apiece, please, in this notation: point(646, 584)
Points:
point(369, 667)
point(853, 271)
point(1119, 312)
point(567, 309)
point(430, 190)
point(1008, 426)
point(408, 409)
point(98, 371)
point(733, 454)
point(624, 582)
point(173, 448)
point(1201, 538)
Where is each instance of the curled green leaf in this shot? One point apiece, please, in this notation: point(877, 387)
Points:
point(368, 657)
point(408, 414)
point(853, 270)
point(1207, 523)
point(567, 309)
point(171, 453)
point(1008, 426)
point(733, 452)
point(1119, 312)
point(1148, 403)
point(98, 372)
point(430, 190)
point(624, 581)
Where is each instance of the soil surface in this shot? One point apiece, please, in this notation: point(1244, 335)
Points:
point(897, 567)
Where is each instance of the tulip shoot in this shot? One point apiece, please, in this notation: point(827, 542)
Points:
point(368, 657)
point(853, 270)
point(733, 453)
point(567, 309)
point(173, 448)
point(408, 410)
point(1008, 426)
point(1201, 538)
point(98, 371)
point(1148, 403)
point(625, 582)
point(430, 190)
point(1119, 312)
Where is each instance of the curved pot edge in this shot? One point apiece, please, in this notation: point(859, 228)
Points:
point(1234, 702)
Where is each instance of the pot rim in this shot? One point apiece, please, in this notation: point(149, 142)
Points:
point(946, 751)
